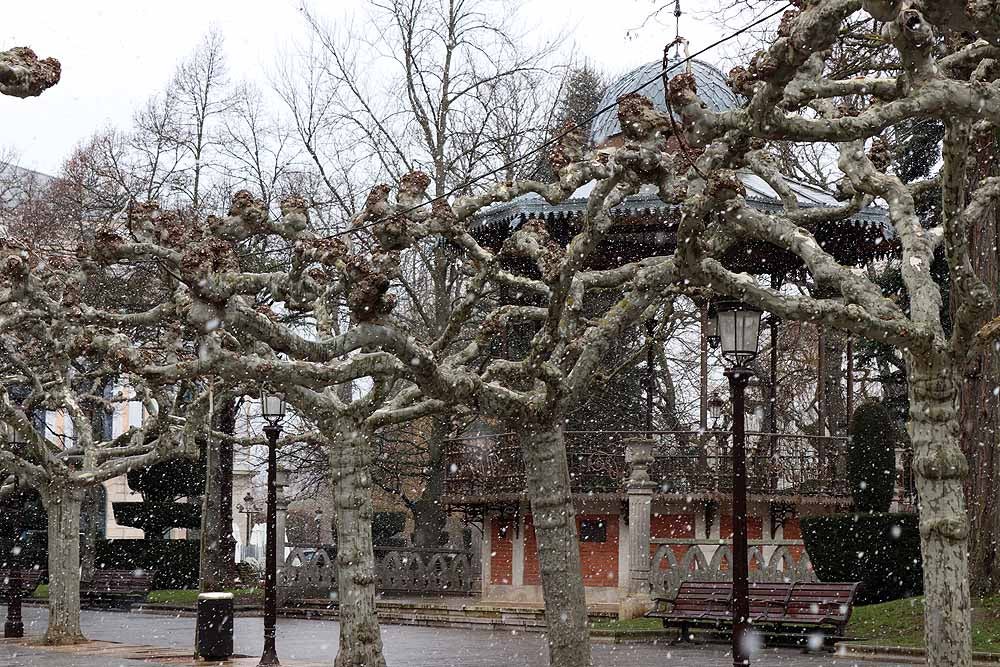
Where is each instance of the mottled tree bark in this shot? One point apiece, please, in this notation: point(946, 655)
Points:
point(63, 505)
point(554, 516)
point(211, 565)
point(211, 569)
point(88, 533)
point(350, 465)
point(940, 469)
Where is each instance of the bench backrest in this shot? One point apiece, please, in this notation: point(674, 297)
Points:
point(704, 596)
point(768, 597)
point(30, 578)
point(816, 601)
point(114, 581)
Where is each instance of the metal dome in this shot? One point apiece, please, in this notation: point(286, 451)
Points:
point(712, 89)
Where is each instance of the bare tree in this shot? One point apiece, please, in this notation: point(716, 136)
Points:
point(200, 88)
point(58, 353)
point(462, 95)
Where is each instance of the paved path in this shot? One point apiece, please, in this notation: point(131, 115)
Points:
point(303, 642)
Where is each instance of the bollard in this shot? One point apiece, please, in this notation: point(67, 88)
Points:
point(215, 626)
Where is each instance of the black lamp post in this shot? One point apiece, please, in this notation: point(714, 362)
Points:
point(249, 508)
point(319, 525)
point(273, 411)
point(712, 326)
point(739, 331)
point(715, 406)
point(14, 625)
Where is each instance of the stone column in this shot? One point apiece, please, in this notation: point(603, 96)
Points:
point(638, 456)
point(280, 482)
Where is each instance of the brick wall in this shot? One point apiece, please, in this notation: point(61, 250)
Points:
point(755, 527)
point(502, 551)
point(667, 526)
point(598, 560)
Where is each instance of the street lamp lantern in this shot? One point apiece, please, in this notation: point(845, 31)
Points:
point(272, 407)
point(738, 331)
point(712, 326)
point(715, 406)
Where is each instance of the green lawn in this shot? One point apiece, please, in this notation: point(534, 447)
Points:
point(175, 596)
point(190, 597)
point(901, 623)
point(897, 623)
point(632, 625)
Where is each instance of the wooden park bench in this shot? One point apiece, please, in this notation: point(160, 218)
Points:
point(777, 607)
point(118, 587)
point(30, 578)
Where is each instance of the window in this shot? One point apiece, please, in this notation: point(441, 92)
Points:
point(593, 530)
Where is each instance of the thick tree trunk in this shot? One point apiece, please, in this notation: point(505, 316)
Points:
point(360, 637)
point(63, 506)
point(227, 542)
point(89, 513)
point(940, 469)
point(979, 405)
point(212, 569)
point(212, 566)
point(544, 451)
point(429, 517)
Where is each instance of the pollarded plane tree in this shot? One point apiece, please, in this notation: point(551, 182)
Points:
point(59, 355)
point(533, 395)
point(278, 328)
point(948, 71)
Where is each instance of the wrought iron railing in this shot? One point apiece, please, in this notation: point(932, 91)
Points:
point(684, 462)
point(675, 561)
point(310, 572)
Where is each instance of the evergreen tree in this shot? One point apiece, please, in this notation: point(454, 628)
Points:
point(871, 457)
point(579, 98)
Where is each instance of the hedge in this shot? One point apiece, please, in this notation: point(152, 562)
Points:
point(871, 457)
point(882, 551)
point(174, 563)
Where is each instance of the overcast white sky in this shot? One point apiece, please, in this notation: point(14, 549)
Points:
point(116, 53)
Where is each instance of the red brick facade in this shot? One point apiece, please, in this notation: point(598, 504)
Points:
point(666, 526)
point(502, 555)
point(598, 560)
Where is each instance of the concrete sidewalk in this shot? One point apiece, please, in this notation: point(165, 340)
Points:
point(165, 641)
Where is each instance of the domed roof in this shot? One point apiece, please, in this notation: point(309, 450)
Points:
point(712, 89)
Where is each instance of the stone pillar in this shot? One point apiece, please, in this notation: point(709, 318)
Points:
point(281, 481)
point(638, 456)
point(517, 552)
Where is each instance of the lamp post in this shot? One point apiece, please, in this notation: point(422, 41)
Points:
point(273, 411)
point(738, 327)
point(319, 525)
point(249, 508)
point(715, 406)
point(14, 626)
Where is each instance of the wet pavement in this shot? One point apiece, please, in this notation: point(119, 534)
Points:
point(305, 642)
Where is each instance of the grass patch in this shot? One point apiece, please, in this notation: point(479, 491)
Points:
point(183, 596)
point(901, 623)
point(631, 625)
point(175, 596)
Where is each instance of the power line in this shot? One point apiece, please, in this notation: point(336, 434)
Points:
point(562, 134)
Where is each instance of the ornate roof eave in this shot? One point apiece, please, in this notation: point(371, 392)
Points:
point(514, 213)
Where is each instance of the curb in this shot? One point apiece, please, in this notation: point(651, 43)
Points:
point(911, 654)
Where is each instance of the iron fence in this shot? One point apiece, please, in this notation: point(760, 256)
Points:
point(684, 462)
